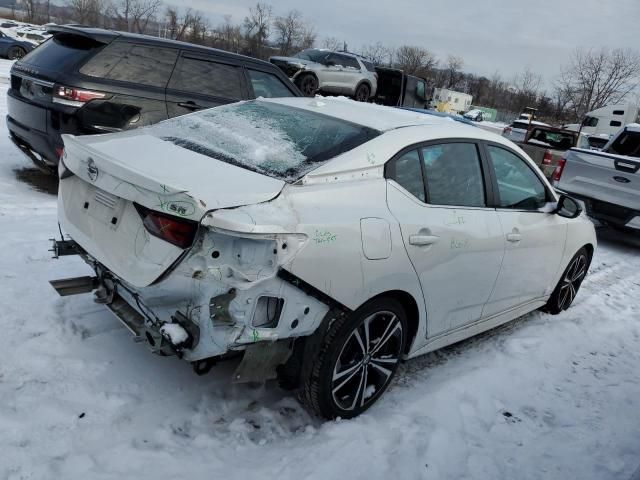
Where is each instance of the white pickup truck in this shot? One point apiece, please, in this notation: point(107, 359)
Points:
point(607, 181)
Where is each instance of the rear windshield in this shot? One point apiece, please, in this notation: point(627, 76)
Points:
point(61, 52)
point(627, 143)
point(522, 125)
point(276, 140)
point(555, 140)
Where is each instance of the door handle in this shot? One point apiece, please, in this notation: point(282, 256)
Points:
point(421, 240)
point(514, 237)
point(191, 105)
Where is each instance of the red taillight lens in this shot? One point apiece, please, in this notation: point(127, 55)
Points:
point(177, 231)
point(74, 97)
point(557, 173)
point(546, 160)
point(506, 130)
point(59, 151)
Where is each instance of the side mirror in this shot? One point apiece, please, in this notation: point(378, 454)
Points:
point(568, 207)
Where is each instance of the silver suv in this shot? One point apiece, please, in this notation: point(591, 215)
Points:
point(315, 70)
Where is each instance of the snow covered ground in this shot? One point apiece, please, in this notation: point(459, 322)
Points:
point(542, 398)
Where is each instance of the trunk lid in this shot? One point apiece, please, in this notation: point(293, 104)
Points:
point(112, 173)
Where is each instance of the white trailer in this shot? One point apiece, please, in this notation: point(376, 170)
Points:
point(450, 101)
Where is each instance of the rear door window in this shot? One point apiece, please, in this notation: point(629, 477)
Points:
point(207, 77)
point(61, 52)
point(128, 62)
point(344, 61)
point(267, 85)
point(407, 173)
point(453, 175)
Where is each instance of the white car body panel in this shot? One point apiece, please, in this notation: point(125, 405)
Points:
point(342, 228)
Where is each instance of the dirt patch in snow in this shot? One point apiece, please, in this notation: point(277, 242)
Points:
point(37, 179)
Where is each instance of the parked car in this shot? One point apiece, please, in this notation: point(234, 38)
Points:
point(325, 71)
point(35, 35)
point(517, 130)
point(606, 181)
point(86, 80)
point(396, 89)
point(326, 239)
point(475, 115)
point(13, 48)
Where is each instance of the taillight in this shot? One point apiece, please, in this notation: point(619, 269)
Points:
point(506, 130)
point(59, 152)
point(546, 160)
point(557, 173)
point(175, 230)
point(74, 97)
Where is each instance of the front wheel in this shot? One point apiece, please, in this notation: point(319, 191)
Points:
point(569, 284)
point(359, 356)
point(362, 92)
point(308, 84)
point(16, 53)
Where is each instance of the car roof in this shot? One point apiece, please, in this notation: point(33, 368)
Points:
point(370, 115)
point(107, 36)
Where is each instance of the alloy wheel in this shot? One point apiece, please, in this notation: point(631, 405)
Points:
point(571, 281)
point(367, 360)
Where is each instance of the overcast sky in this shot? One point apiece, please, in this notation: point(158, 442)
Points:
point(503, 35)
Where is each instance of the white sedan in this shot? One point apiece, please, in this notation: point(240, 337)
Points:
point(324, 239)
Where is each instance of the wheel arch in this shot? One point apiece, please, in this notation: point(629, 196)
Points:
point(410, 306)
point(367, 83)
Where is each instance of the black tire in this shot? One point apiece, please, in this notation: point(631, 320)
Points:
point(362, 93)
point(308, 84)
point(16, 53)
point(357, 360)
point(569, 284)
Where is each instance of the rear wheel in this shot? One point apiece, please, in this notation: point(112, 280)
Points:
point(362, 92)
point(359, 356)
point(308, 84)
point(567, 289)
point(16, 53)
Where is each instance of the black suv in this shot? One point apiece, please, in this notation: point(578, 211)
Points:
point(85, 81)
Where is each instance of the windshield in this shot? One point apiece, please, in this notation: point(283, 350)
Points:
point(318, 56)
point(276, 140)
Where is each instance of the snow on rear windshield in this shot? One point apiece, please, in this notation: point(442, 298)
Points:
point(276, 140)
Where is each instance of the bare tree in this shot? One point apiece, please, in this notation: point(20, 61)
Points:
point(228, 36)
point(596, 78)
point(332, 43)
point(134, 15)
point(308, 39)
point(415, 60)
point(32, 10)
point(86, 12)
point(177, 24)
point(288, 31)
point(378, 53)
point(257, 27)
point(453, 75)
point(528, 82)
